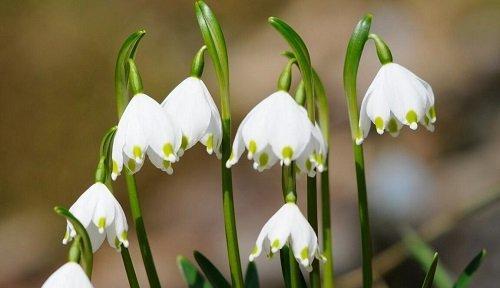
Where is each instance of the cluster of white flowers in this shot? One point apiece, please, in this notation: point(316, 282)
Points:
point(187, 115)
point(278, 129)
point(395, 98)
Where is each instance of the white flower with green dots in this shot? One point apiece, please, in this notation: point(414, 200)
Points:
point(145, 128)
point(278, 129)
point(288, 225)
point(101, 215)
point(395, 98)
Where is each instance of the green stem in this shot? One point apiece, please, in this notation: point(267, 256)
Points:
point(352, 59)
point(216, 45)
point(312, 217)
point(288, 185)
point(326, 227)
point(129, 268)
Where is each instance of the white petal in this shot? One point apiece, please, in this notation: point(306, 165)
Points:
point(104, 213)
point(84, 207)
point(378, 109)
point(264, 159)
point(70, 275)
point(260, 239)
point(238, 145)
point(159, 162)
point(117, 151)
point(96, 238)
point(254, 129)
point(187, 105)
point(288, 127)
point(117, 232)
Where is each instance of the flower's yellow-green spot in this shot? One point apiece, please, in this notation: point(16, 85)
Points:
point(304, 253)
point(101, 224)
point(392, 126)
point(210, 142)
point(252, 146)
point(124, 235)
point(411, 116)
point(379, 123)
point(276, 244)
point(168, 149)
point(166, 164)
point(131, 165)
point(263, 159)
point(287, 152)
point(308, 165)
point(137, 151)
point(432, 113)
point(115, 167)
point(184, 143)
point(255, 249)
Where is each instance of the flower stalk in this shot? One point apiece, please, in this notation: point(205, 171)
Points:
point(214, 40)
point(122, 79)
point(351, 64)
point(301, 53)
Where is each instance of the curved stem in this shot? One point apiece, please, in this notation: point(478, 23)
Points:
point(216, 45)
point(123, 65)
point(351, 64)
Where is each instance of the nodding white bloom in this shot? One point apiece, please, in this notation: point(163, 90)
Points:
point(278, 129)
point(396, 97)
point(101, 214)
point(144, 128)
point(289, 225)
point(70, 275)
point(191, 106)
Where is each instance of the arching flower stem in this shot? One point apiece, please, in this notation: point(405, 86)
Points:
point(122, 81)
point(359, 37)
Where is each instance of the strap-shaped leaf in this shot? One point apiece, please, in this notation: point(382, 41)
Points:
point(303, 59)
point(193, 277)
point(429, 277)
point(213, 274)
point(127, 51)
point(466, 277)
point(216, 44)
point(251, 276)
point(424, 255)
point(87, 255)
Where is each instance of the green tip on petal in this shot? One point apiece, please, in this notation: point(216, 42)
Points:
point(115, 167)
point(304, 253)
point(432, 114)
point(411, 118)
point(263, 159)
point(287, 154)
point(101, 224)
point(252, 147)
point(184, 143)
point(379, 123)
point(168, 149)
point(392, 126)
point(137, 152)
point(255, 249)
point(210, 143)
point(308, 165)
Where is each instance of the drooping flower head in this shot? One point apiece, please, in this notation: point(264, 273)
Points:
point(143, 129)
point(396, 97)
point(70, 275)
point(191, 106)
point(278, 129)
point(288, 225)
point(101, 215)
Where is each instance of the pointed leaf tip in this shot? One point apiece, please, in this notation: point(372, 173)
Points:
point(465, 278)
point(213, 274)
point(429, 277)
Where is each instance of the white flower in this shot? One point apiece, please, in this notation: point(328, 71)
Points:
point(70, 275)
point(191, 106)
point(289, 225)
point(99, 212)
point(278, 129)
point(144, 128)
point(396, 97)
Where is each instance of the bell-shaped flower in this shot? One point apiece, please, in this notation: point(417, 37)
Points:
point(276, 129)
point(70, 275)
point(145, 128)
point(191, 106)
point(396, 97)
point(289, 225)
point(101, 215)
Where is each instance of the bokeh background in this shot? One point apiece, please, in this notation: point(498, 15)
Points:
point(57, 99)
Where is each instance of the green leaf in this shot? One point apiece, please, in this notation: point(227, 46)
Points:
point(127, 51)
point(429, 277)
point(87, 255)
point(303, 59)
point(251, 276)
point(213, 274)
point(193, 278)
point(424, 255)
point(216, 44)
point(285, 268)
point(466, 277)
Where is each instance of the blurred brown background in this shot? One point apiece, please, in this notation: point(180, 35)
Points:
point(57, 99)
